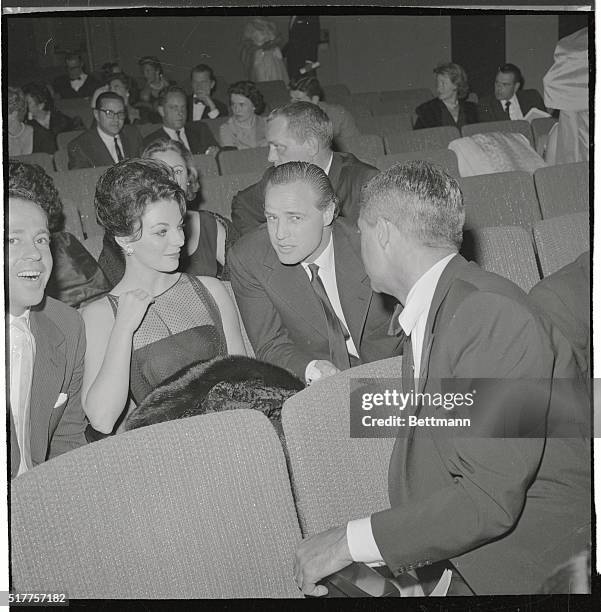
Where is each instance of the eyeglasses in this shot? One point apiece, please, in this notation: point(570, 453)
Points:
point(112, 114)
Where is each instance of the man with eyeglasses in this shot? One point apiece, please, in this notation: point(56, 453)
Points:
point(109, 141)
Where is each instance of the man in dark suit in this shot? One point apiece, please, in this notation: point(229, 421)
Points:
point(47, 344)
point(301, 131)
point(109, 141)
point(302, 45)
point(196, 137)
point(504, 499)
point(300, 285)
point(511, 100)
point(565, 297)
point(76, 83)
point(201, 104)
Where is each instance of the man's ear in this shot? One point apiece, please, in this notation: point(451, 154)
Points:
point(312, 145)
point(328, 214)
point(97, 115)
point(315, 99)
point(161, 111)
point(517, 87)
point(383, 232)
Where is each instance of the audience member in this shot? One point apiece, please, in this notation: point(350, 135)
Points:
point(300, 283)
point(109, 141)
point(152, 70)
point(301, 131)
point(567, 90)
point(47, 341)
point(119, 83)
point(245, 129)
point(155, 321)
point(565, 297)
point(76, 83)
point(450, 106)
point(41, 111)
point(505, 509)
point(261, 54)
point(303, 42)
point(75, 277)
point(510, 100)
point(308, 89)
point(196, 137)
point(202, 104)
point(24, 139)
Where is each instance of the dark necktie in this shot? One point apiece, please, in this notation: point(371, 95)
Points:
point(336, 331)
point(405, 349)
point(507, 104)
point(119, 151)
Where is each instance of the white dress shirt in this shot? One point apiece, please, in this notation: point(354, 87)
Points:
point(78, 83)
point(22, 358)
point(515, 112)
point(183, 138)
point(327, 274)
point(198, 108)
point(412, 319)
point(109, 142)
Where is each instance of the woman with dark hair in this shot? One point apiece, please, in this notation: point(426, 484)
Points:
point(450, 106)
point(155, 80)
point(208, 234)
point(156, 320)
point(245, 129)
point(308, 89)
point(119, 83)
point(41, 111)
point(24, 139)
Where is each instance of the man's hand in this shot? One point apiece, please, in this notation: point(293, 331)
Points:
point(325, 369)
point(212, 151)
point(318, 557)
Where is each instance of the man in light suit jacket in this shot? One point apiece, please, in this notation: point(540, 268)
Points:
point(47, 343)
point(504, 500)
point(510, 100)
point(196, 137)
point(301, 131)
point(289, 321)
point(110, 140)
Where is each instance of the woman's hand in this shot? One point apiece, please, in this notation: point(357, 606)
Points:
point(132, 308)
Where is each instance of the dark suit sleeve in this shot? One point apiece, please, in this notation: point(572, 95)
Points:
point(356, 176)
point(206, 137)
point(262, 321)
point(247, 209)
point(425, 116)
point(77, 157)
point(69, 433)
point(488, 477)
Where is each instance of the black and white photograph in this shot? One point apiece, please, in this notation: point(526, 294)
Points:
point(298, 305)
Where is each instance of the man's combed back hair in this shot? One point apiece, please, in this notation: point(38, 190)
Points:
point(30, 182)
point(125, 190)
point(518, 77)
point(420, 199)
point(309, 174)
point(108, 95)
point(306, 120)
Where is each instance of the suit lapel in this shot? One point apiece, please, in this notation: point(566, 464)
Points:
point(192, 140)
point(335, 170)
point(353, 284)
point(48, 377)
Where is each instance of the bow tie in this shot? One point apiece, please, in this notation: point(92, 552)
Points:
point(395, 329)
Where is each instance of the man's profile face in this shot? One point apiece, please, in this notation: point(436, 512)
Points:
point(505, 86)
point(74, 67)
point(283, 146)
point(202, 85)
point(29, 260)
point(371, 255)
point(111, 116)
point(174, 111)
point(294, 223)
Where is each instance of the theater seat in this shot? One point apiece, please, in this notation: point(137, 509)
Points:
point(64, 138)
point(200, 507)
point(560, 240)
point(385, 125)
point(335, 478)
point(445, 158)
point(366, 147)
point(563, 189)
point(41, 159)
point(206, 165)
point(245, 160)
point(218, 191)
point(506, 251)
point(420, 140)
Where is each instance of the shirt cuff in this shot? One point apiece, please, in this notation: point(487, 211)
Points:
point(361, 542)
point(214, 113)
point(311, 372)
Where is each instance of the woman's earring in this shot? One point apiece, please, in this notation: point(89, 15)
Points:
point(129, 250)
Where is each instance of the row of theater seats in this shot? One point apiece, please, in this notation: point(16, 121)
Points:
point(383, 135)
point(504, 198)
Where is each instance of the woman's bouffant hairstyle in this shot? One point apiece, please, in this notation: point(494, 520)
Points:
point(162, 145)
point(308, 85)
point(30, 182)
point(249, 90)
point(458, 77)
point(153, 61)
point(15, 101)
point(125, 190)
